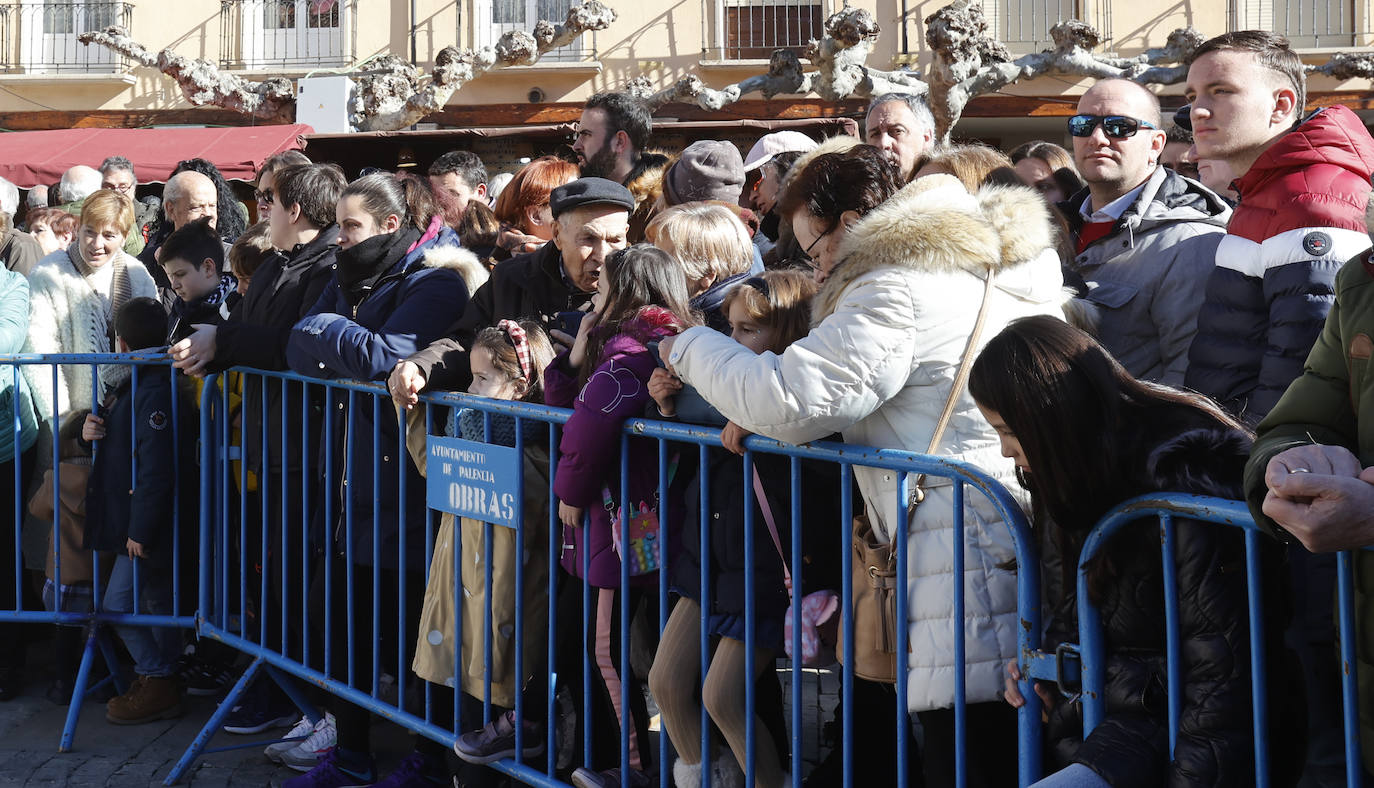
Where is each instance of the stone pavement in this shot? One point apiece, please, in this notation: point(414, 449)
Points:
point(141, 755)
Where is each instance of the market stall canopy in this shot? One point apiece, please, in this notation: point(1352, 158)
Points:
point(30, 158)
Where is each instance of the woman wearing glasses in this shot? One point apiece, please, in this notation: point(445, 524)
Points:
point(903, 277)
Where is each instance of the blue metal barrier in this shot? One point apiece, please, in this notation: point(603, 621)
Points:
point(1168, 509)
point(323, 413)
point(95, 619)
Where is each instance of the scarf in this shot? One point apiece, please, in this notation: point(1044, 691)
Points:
point(363, 264)
point(119, 283)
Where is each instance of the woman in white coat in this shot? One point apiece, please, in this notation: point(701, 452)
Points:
point(901, 286)
point(74, 295)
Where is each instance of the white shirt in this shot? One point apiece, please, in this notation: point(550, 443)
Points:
point(1112, 210)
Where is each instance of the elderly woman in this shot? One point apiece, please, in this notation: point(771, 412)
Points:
point(74, 295)
point(715, 251)
point(903, 275)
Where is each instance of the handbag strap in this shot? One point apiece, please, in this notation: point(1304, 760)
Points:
point(772, 526)
point(960, 380)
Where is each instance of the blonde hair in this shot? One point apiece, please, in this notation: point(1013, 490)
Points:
point(498, 343)
point(971, 164)
point(106, 208)
point(708, 240)
point(777, 299)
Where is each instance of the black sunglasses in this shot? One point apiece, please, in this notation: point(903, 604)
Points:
point(1118, 127)
point(264, 196)
point(1183, 117)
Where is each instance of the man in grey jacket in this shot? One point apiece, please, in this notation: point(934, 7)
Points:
point(1145, 236)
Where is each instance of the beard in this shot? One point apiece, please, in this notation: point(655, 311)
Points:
point(600, 164)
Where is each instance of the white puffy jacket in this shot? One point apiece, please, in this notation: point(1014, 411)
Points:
point(890, 326)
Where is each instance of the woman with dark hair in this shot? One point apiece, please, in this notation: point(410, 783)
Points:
point(1086, 436)
point(1047, 168)
point(903, 278)
point(396, 288)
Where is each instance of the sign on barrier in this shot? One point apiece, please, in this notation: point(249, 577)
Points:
point(471, 479)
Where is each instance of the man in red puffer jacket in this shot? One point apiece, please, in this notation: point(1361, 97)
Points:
point(1303, 183)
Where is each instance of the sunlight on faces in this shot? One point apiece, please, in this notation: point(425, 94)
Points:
point(586, 237)
point(266, 185)
point(488, 381)
point(594, 144)
point(1238, 105)
point(810, 231)
point(47, 240)
point(1124, 163)
point(765, 194)
point(1011, 446)
point(190, 281)
point(357, 225)
point(749, 332)
point(199, 200)
point(121, 181)
point(892, 128)
point(100, 244)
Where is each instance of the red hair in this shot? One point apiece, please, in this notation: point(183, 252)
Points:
point(530, 188)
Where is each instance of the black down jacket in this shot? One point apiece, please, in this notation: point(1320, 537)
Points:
point(1215, 739)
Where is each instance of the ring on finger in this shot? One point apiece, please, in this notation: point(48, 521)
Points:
point(1299, 470)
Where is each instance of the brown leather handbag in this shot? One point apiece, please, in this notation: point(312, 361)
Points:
point(874, 583)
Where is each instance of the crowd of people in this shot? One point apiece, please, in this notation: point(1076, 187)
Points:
point(1084, 325)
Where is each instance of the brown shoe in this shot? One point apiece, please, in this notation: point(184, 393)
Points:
point(150, 698)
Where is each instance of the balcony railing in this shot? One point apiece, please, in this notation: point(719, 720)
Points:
point(267, 34)
point(494, 18)
point(1308, 24)
point(752, 29)
point(40, 36)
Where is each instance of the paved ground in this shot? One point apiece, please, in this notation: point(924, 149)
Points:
point(125, 756)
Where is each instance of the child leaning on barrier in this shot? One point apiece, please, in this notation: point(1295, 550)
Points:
point(641, 298)
point(507, 363)
point(766, 313)
point(145, 434)
point(193, 259)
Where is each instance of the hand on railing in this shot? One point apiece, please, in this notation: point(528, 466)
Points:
point(405, 384)
point(1013, 691)
point(135, 549)
point(192, 354)
point(663, 387)
point(732, 437)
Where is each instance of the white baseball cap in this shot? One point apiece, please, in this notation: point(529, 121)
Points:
point(770, 145)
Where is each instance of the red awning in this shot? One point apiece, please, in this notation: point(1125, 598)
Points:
point(29, 158)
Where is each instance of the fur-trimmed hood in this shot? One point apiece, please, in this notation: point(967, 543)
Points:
point(457, 258)
point(934, 225)
point(646, 179)
point(1203, 461)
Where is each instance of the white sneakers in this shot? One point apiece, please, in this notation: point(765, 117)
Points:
point(304, 755)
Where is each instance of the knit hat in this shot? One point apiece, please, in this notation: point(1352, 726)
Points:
point(770, 145)
point(707, 170)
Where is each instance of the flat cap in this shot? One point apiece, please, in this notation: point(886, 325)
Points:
point(589, 191)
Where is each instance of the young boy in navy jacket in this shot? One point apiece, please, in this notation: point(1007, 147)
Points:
point(193, 258)
point(140, 492)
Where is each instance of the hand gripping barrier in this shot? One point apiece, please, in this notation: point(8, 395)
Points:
point(347, 438)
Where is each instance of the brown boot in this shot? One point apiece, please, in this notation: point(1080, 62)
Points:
point(150, 698)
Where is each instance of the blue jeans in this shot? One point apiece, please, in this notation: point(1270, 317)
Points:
point(1076, 775)
point(154, 649)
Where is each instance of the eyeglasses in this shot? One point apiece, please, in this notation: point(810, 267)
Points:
point(812, 245)
point(264, 196)
point(1117, 127)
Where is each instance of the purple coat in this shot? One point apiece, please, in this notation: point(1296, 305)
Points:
point(590, 449)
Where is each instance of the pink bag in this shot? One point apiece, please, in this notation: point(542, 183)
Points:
point(819, 617)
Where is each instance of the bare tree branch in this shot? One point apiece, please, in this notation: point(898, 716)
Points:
point(1347, 65)
point(396, 94)
point(203, 83)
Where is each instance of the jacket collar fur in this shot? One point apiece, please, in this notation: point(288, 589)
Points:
point(933, 225)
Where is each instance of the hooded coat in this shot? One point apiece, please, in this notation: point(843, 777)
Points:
point(589, 453)
point(1300, 217)
point(1180, 451)
point(890, 327)
point(1146, 278)
point(407, 308)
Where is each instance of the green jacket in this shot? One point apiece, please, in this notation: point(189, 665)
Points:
point(1333, 404)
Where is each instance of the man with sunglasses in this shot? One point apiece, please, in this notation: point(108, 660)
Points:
point(1303, 180)
point(1146, 236)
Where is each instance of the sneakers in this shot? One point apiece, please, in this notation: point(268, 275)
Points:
point(413, 773)
point(298, 733)
point(305, 755)
point(254, 714)
point(329, 774)
point(202, 678)
point(150, 698)
point(496, 741)
point(586, 778)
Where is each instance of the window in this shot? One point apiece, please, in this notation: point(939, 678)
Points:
point(1024, 25)
point(257, 34)
point(495, 18)
point(753, 29)
point(49, 29)
point(1308, 24)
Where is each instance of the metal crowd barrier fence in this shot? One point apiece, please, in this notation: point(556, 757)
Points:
point(318, 430)
point(81, 602)
point(1167, 509)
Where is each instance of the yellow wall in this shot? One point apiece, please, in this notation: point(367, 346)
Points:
point(658, 38)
